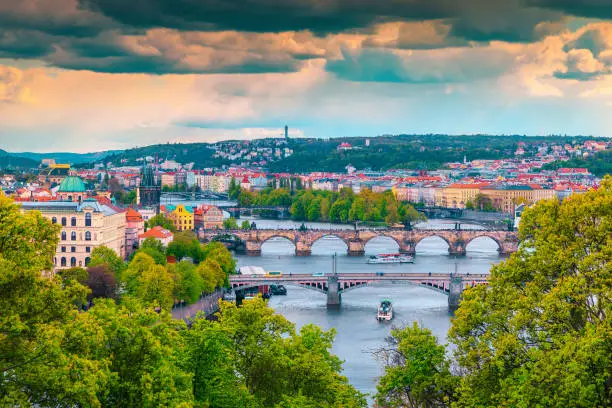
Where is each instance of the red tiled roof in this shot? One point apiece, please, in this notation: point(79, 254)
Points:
point(133, 215)
point(156, 232)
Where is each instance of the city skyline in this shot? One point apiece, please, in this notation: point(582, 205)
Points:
point(94, 75)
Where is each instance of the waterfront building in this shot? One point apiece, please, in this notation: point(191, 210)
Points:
point(158, 233)
point(149, 191)
point(208, 217)
point(134, 227)
point(182, 218)
point(85, 226)
point(505, 198)
point(72, 188)
point(457, 195)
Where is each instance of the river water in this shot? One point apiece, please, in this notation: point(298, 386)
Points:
point(358, 332)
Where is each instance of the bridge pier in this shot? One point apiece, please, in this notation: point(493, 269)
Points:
point(454, 292)
point(508, 247)
point(303, 248)
point(457, 249)
point(253, 248)
point(334, 298)
point(408, 248)
point(356, 247)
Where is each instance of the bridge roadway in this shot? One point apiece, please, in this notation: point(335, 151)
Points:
point(333, 285)
point(355, 240)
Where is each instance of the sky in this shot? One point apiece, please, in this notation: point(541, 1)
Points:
point(90, 75)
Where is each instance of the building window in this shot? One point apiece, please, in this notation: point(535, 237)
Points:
point(54, 220)
point(87, 261)
point(73, 222)
point(63, 249)
point(72, 249)
point(63, 235)
point(73, 236)
point(63, 221)
point(55, 261)
point(63, 261)
point(88, 219)
point(87, 236)
point(73, 261)
point(88, 249)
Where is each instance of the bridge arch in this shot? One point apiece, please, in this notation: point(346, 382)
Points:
point(382, 236)
point(440, 287)
point(433, 237)
point(485, 236)
point(278, 234)
point(317, 288)
point(317, 239)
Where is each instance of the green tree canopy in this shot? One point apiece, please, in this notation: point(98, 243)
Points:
point(540, 333)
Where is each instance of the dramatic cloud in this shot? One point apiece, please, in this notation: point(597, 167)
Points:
point(85, 72)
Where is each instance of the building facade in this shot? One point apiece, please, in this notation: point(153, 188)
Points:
point(85, 226)
point(134, 227)
point(182, 218)
point(208, 217)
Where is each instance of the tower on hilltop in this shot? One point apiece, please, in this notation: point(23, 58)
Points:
point(149, 192)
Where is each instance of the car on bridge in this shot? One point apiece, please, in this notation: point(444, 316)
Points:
point(380, 273)
point(318, 274)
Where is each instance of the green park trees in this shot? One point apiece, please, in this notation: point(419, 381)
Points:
point(126, 350)
point(540, 334)
point(341, 207)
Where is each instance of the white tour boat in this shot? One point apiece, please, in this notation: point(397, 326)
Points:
point(390, 258)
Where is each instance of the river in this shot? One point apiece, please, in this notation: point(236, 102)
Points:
point(358, 332)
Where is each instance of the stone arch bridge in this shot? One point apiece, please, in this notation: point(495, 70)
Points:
point(355, 240)
point(333, 285)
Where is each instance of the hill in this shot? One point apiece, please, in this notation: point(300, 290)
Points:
point(376, 153)
point(9, 161)
point(599, 164)
point(66, 157)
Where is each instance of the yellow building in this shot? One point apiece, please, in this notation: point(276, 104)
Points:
point(182, 218)
point(85, 226)
point(457, 195)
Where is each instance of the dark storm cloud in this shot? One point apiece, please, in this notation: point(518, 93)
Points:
point(320, 16)
point(600, 9)
point(114, 35)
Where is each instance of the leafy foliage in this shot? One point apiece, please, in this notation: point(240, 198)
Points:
point(539, 334)
point(162, 221)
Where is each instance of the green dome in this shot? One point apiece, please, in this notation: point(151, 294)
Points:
point(72, 184)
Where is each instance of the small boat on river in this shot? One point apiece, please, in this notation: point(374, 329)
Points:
point(385, 311)
point(390, 258)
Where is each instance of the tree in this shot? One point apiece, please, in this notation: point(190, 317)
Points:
point(156, 287)
point(162, 221)
point(246, 225)
point(105, 256)
point(392, 215)
point(234, 189)
point(188, 284)
point(131, 275)
point(539, 333)
point(155, 249)
point(101, 281)
point(417, 371)
point(230, 223)
point(185, 244)
point(212, 275)
point(39, 364)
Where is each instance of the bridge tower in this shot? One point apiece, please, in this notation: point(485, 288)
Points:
point(454, 292)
